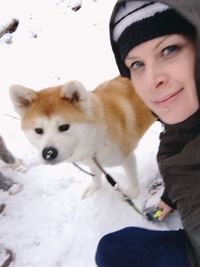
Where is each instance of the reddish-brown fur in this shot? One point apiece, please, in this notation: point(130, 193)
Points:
point(115, 94)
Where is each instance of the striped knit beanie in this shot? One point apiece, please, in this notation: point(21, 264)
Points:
point(134, 22)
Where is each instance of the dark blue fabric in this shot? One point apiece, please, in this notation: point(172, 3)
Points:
point(138, 247)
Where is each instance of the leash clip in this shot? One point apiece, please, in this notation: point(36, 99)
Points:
point(124, 196)
point(153, 214)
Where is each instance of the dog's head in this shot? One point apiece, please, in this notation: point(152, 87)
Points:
point(58, 121)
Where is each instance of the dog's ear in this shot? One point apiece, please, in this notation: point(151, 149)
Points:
point(21, 98)
point(77, 94)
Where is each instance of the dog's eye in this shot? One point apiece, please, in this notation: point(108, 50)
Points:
point(64, 127)
point(39, 130)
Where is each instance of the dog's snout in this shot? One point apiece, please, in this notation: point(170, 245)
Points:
point(49, 153)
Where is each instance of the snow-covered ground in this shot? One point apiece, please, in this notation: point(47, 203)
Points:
point(48, 223)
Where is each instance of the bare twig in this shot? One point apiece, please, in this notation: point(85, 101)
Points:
point(11, 116)
point(9, 28)
point(9, 259)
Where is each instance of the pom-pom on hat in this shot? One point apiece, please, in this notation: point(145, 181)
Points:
point(134, 22)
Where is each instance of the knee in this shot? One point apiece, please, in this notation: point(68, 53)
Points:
point(103, 251)
point(112, 248)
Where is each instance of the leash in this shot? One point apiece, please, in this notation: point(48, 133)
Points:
point(151, 214)
point(83, 170)
point(115, 185)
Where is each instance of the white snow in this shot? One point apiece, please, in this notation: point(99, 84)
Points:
point(48, 223)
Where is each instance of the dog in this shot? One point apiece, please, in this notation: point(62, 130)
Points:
point(6, 183)
point(69, 123)
point(12, 187)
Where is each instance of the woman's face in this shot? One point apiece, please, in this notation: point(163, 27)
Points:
point(163, 75)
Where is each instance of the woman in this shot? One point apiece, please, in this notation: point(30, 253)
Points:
point(157, 46)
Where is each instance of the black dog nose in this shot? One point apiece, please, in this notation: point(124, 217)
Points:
point(49, 153)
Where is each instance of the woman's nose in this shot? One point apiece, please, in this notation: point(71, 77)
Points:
point(158, 78)
point(159, 82)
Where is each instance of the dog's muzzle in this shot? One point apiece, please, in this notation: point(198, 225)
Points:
point(49, 153)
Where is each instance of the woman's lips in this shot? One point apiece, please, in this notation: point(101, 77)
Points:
point(163, 102)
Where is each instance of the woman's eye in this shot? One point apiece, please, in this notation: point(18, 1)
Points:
point(170, 50)
point(39, 130)
point(137, 65)
point(63, 127)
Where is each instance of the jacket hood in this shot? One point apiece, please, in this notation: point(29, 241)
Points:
point(189, 9)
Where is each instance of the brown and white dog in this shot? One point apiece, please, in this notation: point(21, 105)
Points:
point(70, 123)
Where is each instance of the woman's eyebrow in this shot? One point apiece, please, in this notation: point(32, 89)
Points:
point(131, 58)
point(161, 42)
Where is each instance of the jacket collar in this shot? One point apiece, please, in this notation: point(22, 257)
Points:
point(189, 124)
